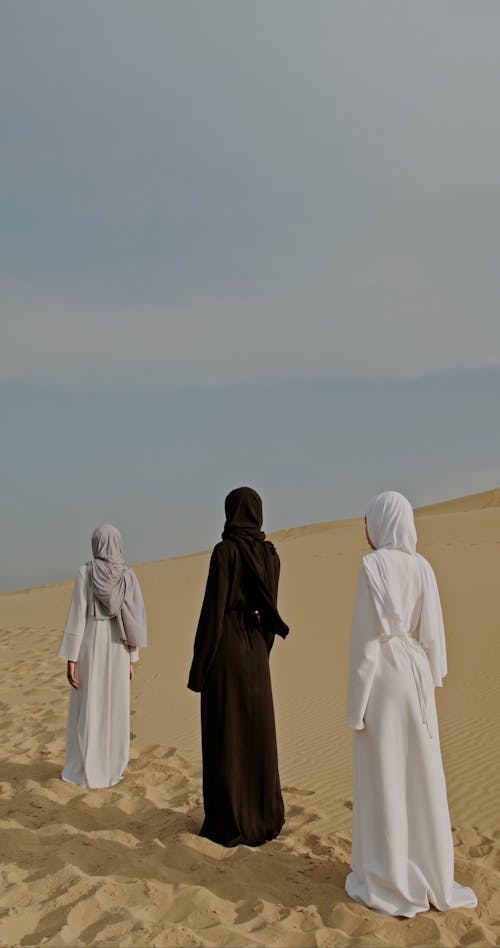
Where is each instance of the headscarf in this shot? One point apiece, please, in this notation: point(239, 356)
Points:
point(117, 593)
point(243, 507)
point(390, 523)
point(391, 526)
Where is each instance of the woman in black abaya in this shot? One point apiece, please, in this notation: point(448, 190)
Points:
point(238, 622)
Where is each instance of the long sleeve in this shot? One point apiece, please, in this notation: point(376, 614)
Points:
point(72, 636)
point(209, 628)
point(269, 622)
point(364, 652)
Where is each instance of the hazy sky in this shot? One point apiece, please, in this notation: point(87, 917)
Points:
point(236, 237)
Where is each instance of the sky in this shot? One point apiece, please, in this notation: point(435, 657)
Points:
point(242, 241)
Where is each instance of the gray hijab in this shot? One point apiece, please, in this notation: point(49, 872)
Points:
point(117, 593)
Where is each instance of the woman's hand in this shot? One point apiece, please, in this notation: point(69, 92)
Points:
point(132, 672)
point(71, 675)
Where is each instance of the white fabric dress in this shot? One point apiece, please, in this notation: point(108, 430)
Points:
point(402, 848)
point(98, 729)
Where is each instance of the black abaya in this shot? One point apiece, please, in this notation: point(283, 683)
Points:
point(241, 786)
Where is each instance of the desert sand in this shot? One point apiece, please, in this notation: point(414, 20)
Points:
point(125, 866)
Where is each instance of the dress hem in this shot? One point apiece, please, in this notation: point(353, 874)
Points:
point(87, 786)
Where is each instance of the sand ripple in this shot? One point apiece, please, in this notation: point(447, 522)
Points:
point(125, 867)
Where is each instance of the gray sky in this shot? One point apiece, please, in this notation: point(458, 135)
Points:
point(201, 198)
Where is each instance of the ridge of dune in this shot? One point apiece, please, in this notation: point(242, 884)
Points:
point(126, 867)
point(464, 504)
point(482, 501)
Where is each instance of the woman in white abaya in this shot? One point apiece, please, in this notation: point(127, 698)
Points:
point(402, 847)
point(106, 625)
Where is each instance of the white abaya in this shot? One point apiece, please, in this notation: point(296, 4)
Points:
point(402, 850)
point(98, 729)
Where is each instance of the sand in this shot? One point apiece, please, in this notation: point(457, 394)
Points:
point(125, 867)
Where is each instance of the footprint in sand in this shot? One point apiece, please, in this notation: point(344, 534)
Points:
point(483, 849)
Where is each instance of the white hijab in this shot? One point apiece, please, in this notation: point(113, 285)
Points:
point(390, 526)
point(117, 593)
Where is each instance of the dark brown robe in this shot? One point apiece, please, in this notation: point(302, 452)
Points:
point(241, 785)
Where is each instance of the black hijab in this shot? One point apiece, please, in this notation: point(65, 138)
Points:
point(243, 526)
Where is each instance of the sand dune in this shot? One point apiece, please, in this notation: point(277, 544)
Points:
point(125, 866)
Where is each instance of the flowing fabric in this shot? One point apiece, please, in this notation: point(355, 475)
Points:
point(117, 593)
point(98, 726)
point(241, 786)
point(391, 526)
point(431, 626)
point(402, 851)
